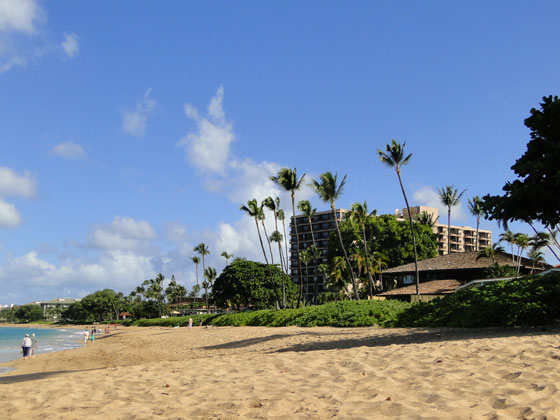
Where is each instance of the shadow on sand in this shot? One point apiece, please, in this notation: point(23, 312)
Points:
point(4, 380)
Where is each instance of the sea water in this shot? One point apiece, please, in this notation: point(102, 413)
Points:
point(48, 339)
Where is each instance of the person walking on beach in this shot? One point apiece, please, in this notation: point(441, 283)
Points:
point(34, 345)
point(26, 346)
point(190, 322)
point(86, 337)
point(92, 337)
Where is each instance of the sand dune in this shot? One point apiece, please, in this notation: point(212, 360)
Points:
point(293, 373)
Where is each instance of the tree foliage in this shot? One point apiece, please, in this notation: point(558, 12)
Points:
point(247, 283)
point(389, 237)
point(534, 195)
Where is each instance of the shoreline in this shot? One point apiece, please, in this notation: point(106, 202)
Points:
point(291, 372)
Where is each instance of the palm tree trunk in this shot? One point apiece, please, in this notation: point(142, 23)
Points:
point(367, 261)
point(547, 245)
point(281, 264)
point(286, 262)
point(268, 240)
point(413, 236)
point(266, 258)
point(448, 229)
point(477, 226)
point(300, 295)
point(354, 285)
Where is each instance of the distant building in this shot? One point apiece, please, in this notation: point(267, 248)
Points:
point(323, 225)
point(53, 306)
point(462, 238)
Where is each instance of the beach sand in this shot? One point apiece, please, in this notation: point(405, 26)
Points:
point(293, 373)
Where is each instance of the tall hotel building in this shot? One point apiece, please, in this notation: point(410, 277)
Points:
point(462, 239)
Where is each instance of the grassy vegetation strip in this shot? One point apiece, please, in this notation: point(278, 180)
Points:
point(524, 302)
point(527, 301)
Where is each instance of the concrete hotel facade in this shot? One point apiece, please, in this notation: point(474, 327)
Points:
point(323, 225)
point(463, 239)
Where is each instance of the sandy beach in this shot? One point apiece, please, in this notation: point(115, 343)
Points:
point(293, 373)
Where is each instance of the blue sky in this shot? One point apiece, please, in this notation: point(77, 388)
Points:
point(133, 131)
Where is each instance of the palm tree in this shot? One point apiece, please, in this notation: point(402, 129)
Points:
point(338, 275)
point(262, 218)
point(196, 261)
point(359, 215)
point(426, 219)
point(509, 237)
point(490, 252)
point(288, 180)
point(329, 191)
point(380, 261)
point(226, 256)
point(537, 257)
point(274, 205)
point(522, 242)
point(305, 207)
point(475, 208)
point(203, 250)
point(305, 258)
point(282, 217)
point(254, 210)
point(210, 275)
point(276, 236)
point(394, 157)
point(449, 197)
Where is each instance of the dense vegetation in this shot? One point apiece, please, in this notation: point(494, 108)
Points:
point(527, 301)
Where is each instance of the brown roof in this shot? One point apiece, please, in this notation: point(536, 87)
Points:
point(456, 261)
point(433, 287)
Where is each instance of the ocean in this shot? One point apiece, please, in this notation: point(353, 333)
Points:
point(49, 340)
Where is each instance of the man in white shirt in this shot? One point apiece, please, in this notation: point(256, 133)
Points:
point(26, 346)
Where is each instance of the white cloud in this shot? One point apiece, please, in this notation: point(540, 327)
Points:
point(69, 150)
point(427, 196)
point(207, 148)
point(176, 232)
point(20, 15)
point(9, 216)
point(11, 62)
point(70, 45)
point(134, 122)
point(14, 184)
point(123, 233)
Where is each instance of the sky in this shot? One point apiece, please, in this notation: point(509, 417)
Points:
point(132, 131)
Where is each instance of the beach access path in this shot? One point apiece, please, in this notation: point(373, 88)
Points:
point(293, 373)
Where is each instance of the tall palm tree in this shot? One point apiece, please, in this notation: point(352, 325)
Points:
point(196, 261)
point(210, 275)
point(394, 157)
point(262, 218)
point(360, 215)
point(449, 197)
point(203, 250)
point(274, 205)
point(305, 207)
point(490, 252)
point(276, 236)
point(509, 237)
point(282, 218)
point(305, 258)
point(537, 257)
point(288, 180)
point(522, 242)
point(475, 208)
point(329, 191)
point(254, 210)
point(226, 256)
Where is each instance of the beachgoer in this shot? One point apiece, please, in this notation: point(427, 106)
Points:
point(190, 322)
point(26, 346)
point(34, 345)
point(92, 337)
point(86, 337)
point(200, 323)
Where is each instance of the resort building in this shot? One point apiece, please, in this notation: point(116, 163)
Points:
point(322, 225)
point(51, 308)
point(462, 238)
